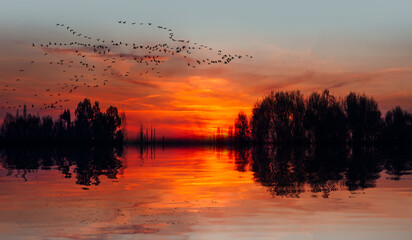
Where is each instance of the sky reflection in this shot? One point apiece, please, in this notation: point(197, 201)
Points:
point(193, 193)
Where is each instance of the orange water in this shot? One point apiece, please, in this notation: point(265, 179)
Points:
point(194, 193)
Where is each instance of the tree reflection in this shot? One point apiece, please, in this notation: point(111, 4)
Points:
point(290, 170)
point(87, 164)
point(320, 143)
point(242, 156)
point(397, 160)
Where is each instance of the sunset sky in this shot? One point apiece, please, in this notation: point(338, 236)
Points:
point(361, 46)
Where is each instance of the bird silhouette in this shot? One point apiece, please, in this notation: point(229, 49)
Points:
point(85, 49)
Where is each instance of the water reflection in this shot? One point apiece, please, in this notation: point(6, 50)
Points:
point(89, 163)
point(285, 170)
point(202, 193)
point(288, 171)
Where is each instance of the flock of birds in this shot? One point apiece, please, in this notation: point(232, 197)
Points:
point(93, 62)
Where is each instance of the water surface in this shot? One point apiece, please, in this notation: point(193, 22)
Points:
point(203, 193)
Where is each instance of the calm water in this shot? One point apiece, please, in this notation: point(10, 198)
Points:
point(203, 193)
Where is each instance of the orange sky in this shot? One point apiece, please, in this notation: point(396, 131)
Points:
point(186, 102)
point(181, 101)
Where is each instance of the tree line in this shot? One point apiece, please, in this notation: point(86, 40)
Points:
point(90, 126)
point(289, 117)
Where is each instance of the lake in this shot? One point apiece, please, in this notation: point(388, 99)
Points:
point(205, 193)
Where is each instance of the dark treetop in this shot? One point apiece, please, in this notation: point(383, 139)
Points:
point(90, 126)
point(290, 118)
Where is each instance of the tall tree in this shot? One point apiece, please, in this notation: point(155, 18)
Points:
point(398, 126)
point(325, 120)
point(364, 118)
point(242, 133)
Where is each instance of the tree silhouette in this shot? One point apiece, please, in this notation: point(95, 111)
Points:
point(90, 126)
point(242, 133)
point(342, 139)
point(84, 116)
point(278, 118)
point(324, 119)
point(398, 126)
point(364, 118)
point(263, 130)
point(288, 117)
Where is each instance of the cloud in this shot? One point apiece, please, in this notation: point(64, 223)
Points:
point(202, 98)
